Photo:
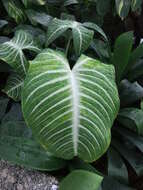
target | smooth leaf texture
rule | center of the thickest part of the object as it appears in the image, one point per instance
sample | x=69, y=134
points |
x=38, y=17
x=12, y=51
x=131, y=154
x=122, y=50
x=116, y=167
x=131, y=118
x=82, y=36
x=13, y=86
x=109, y=182
x=132, y=137
x=3, y=23
x=81, y=180
x=36, y=2
x=17, y=146
x=71, y=112
x=130, y=92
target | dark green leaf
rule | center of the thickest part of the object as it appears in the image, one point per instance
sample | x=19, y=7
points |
x=133, y=156
x=122, y=50
x=38, y=17
x=130, y=92
x=132, y=118
x=116, y=167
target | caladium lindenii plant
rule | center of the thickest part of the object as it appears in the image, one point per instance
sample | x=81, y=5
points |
x=70, y=111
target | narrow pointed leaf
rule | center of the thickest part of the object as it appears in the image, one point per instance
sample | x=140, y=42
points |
x=122, y=50
x=13, y=86
x=71, y=112
x=12, y=51
x=96, y=28
x=81, y=180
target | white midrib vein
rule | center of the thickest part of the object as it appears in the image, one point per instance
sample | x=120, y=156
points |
x=76, y=111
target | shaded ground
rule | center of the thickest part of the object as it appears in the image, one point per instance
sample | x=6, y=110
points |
x=17, y=178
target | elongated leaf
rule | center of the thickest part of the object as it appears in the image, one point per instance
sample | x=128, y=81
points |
x=90, y=181
x=96, y=28
x=82, y=36
x=116, y=167
x=13, y=86
x=37, y=2
x=12, y=51
x=16, y=147
x=133, y=156
x=15, y=10
x=122, y=49
x=70, y=111
x=132, y=137
x=132, y=118
x=123, y=7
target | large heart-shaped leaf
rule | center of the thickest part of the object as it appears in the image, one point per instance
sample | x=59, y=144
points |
x=12, y=51
x=70, y=111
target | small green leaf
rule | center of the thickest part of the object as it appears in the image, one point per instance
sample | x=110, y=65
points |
x=81, y=180
x=15, y=10
x=12, y=51
x=123, y=7
x=14, y=86
x=122, y=50
x=132, y=118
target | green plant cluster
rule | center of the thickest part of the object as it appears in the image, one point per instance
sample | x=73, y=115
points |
x=71, y=93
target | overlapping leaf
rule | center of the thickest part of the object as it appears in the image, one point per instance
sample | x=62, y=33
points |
x=12, y=51
x=70, y=111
